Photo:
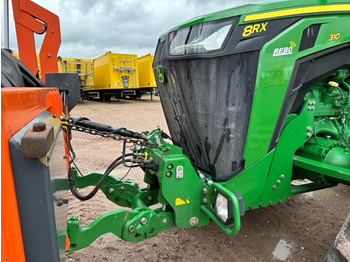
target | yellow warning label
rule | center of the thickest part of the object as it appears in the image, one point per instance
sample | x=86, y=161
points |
x=179, y=201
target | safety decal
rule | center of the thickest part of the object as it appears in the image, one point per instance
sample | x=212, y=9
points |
x=179, y=201
x=284, y=50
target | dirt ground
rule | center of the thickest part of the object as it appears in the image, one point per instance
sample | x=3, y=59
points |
x=300, y=230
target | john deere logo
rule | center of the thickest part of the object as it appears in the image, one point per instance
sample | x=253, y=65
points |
x=160, y=74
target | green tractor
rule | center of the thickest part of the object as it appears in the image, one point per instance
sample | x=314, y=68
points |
x=255, y=97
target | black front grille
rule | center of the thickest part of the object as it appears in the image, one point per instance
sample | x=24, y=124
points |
x=207, y=103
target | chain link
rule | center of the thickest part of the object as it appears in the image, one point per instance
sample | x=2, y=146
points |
x=116, y=137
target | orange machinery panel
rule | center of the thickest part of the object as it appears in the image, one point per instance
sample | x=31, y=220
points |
x=18, y=107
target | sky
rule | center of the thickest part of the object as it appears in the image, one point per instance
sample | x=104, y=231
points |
x=90, y=28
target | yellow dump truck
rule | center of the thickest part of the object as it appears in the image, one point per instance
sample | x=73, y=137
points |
x=115, y=76
x=146, y=75
x=83, y=67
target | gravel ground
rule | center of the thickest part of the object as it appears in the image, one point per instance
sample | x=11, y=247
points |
x=300, y=230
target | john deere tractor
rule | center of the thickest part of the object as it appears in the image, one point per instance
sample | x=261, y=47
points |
x=255, y=97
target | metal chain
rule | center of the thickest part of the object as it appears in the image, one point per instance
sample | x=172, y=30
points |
x=91, y=131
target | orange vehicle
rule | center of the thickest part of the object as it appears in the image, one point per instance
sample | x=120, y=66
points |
x=32, y=140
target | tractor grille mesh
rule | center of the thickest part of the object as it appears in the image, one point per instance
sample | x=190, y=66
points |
x=207, y=105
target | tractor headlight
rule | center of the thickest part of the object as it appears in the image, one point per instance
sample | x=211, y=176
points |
x=223, y=208
x=199, y=38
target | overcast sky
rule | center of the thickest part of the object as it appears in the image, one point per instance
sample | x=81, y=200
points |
x=90, y=28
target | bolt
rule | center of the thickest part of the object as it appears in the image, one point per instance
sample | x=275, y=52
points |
x=282, y=176
x=270, y=203
x=194, y=221
x=205, y=190
x=39, y=127
x=165, y=220
x=143, y=221
x=48, y=55
x=328, y=137
x=131, y=228
x=274, y=187
x=309, y=108
x=111, y=190
x=260, y=205
x=279, y=201
x=122, y=189
x=204, y=200
x=310, y=103
x=52, y=31
x=250, y=207
x=42, y=29
x=168, y=174
x=149, y=198
x=278, y=181
x=309, y=128
x=308, y=134
x=170, y=166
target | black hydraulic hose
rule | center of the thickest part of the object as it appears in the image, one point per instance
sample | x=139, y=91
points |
x=75, y=191
x=124, y=155
x=84, y=122
x=111, y=166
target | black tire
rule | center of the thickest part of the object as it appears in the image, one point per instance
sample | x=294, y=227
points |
x=104, y=97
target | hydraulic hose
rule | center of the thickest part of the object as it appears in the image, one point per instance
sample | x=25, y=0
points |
x=75, y=191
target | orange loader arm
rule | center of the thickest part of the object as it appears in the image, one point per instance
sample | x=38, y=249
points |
x=31, y=18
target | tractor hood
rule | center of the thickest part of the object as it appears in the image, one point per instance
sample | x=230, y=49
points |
x=270, y=9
